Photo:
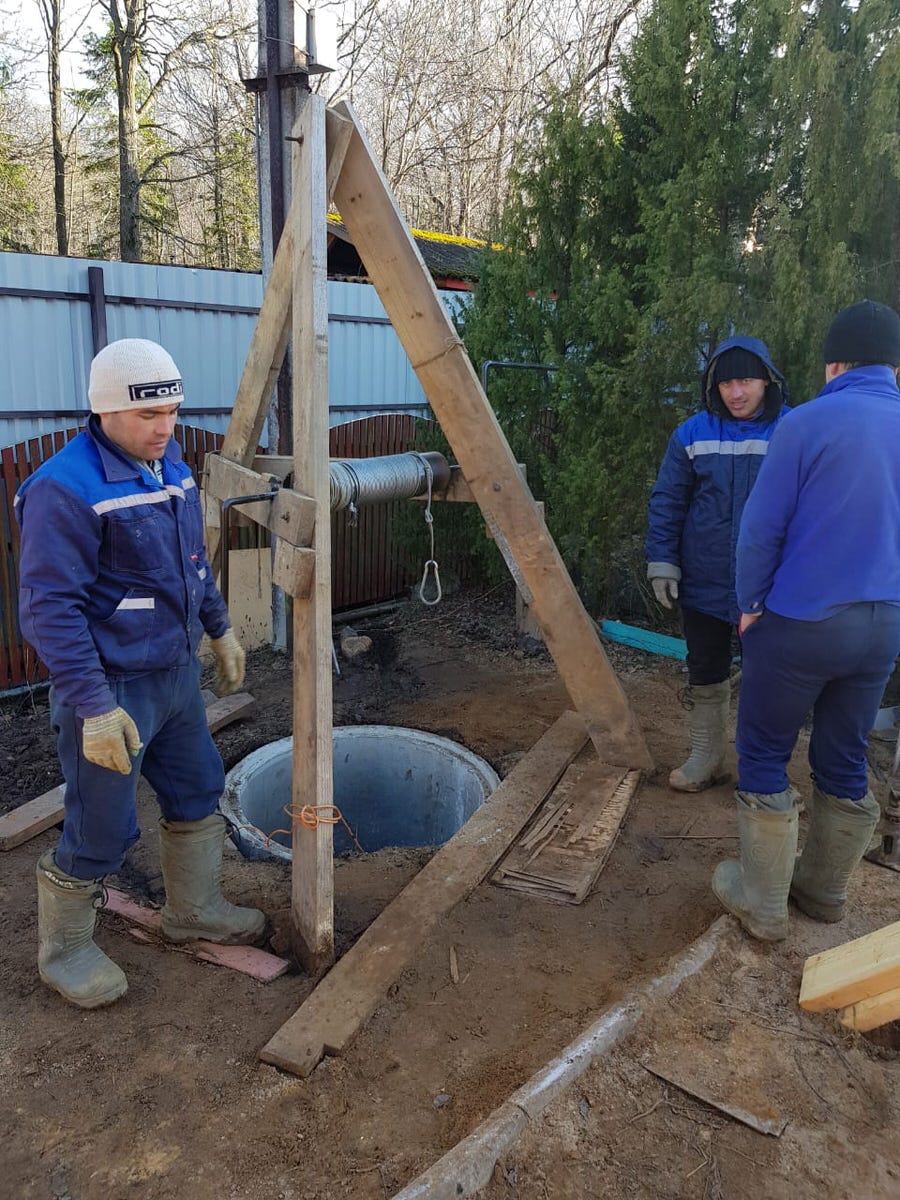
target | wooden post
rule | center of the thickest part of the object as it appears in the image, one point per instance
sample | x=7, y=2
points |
x=439, y=359
x=312, y=891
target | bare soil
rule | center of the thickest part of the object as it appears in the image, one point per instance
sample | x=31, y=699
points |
x=162, y=1097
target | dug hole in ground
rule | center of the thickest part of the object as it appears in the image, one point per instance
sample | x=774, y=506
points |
x=162, y=1097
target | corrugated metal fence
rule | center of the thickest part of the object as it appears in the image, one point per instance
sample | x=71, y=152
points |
x=54, y=312
x=369, y=562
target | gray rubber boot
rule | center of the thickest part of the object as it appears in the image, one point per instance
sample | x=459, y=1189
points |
x=191, y=857
x=707, y=717
x=68, y=959
x=839, y=834
x=755, y=890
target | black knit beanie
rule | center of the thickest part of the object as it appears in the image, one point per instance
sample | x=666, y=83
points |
x=738, y=363
x=866, y=332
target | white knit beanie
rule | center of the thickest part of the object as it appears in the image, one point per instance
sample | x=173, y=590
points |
x=133, y=373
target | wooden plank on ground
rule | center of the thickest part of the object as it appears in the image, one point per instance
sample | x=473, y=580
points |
x=32, y=818
x=345, y=999
x=226, y=709
x=35, y=816
x=560, y=856
x=854, y=971
x=440, y=360
x=312, y=875
x=877, y=1010
x=249, y=960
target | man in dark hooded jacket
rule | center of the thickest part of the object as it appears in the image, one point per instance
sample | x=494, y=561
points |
x=710, y=466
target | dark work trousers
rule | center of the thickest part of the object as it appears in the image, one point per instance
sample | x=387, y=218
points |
x=836, y=668
x=179, y=760
x=708, y=645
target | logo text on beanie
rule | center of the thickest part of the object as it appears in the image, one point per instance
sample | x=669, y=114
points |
x=169, y=390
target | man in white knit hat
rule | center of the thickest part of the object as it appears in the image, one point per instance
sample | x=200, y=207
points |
x=115, y=595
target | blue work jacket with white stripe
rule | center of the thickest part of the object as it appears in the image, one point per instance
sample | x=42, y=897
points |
x=698, y=499
x=113, y=576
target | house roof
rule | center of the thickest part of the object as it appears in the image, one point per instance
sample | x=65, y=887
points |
x=452, y=261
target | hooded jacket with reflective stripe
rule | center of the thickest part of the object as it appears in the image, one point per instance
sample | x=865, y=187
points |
x=113, y=577
x=705, y=479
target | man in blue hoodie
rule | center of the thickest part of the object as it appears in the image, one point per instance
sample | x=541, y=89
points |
x=818, y=582
x=710, y=466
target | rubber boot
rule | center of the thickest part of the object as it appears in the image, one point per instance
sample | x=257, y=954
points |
x=191, y=857
x=755, y=890
x=839, y=834
x=707, y=716
x=68, y=959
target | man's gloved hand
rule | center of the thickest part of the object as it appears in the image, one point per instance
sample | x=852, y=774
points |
x=229, y=663
x=665, y=591
x=664, y=579
x=111, y=740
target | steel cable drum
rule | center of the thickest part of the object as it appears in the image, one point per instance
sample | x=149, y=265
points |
x=357, y=481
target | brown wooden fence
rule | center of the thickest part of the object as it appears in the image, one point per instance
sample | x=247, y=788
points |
x=369, y=564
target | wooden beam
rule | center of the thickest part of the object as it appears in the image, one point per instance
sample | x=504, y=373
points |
x=290, y=516
x=877, y=1010
x=312, y=887
x=854, y=971
x=345, y=999
x=268, y=344
x=294, y=570
x=32, y=818
x=407, y=291
x=338, y=132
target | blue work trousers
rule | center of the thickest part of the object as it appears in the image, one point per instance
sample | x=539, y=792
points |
x=837, y=669
x=179, y=759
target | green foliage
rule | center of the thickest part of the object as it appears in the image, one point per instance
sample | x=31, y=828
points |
x=743, y=178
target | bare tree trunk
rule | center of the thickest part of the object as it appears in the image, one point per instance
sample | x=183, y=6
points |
x=128, y=19
x=51, y=16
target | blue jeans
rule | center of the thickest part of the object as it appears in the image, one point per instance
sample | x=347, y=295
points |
x=836, y=668
x=179, y=760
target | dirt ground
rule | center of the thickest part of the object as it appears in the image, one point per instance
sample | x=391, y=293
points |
x=162, y=1097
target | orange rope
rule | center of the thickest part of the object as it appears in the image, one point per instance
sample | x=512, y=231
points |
x=311, y=815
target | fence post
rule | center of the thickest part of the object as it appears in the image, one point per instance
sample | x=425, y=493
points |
x=97, y=300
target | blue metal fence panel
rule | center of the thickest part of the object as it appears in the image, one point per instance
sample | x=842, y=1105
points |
x=46, y=344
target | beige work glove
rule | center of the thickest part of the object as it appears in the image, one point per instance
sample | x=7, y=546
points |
x=111, y=740
x=664, y=579
x=229, y=663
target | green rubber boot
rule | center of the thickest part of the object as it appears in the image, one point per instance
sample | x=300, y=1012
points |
x=755, y=890
x=707, y=717
x=191, y=856
x=839, y=834
x=68, y=959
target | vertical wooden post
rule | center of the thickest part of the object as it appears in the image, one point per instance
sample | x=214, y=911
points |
x=312, y=891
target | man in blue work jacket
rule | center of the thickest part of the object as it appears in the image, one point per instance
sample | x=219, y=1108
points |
x=115, y=595
x=711, y=464
x=818, y=583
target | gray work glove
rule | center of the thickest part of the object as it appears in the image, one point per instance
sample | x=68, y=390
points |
x=664, y=579
x=111, y=740
x=229, y=663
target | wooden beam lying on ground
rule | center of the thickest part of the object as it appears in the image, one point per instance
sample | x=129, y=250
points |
x=854, y=971
x=33, y=817
x=345, y=999
x=877, y=1010
x=439, y=358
